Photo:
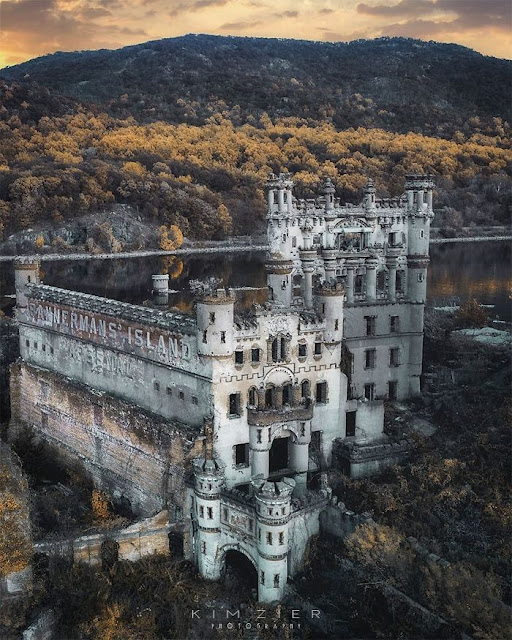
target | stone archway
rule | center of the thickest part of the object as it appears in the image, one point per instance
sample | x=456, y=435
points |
x=239, y=572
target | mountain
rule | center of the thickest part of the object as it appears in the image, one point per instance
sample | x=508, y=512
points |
x=396, y=84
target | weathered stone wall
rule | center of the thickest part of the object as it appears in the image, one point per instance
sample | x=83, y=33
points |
x=338, y=521
x=9, y=352
x=136, y=541
x=129, y=452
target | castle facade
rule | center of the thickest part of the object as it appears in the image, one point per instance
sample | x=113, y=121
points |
x=230, y=421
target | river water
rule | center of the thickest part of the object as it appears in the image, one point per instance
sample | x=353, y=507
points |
x=480, y=270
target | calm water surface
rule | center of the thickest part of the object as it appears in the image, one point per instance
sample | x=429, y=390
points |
x=457, y=272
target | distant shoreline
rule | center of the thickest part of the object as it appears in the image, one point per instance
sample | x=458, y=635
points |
x=52, y=257
x=470, y=239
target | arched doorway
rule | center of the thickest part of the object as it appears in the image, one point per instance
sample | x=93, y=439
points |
x=240, y=575
x=278, y=455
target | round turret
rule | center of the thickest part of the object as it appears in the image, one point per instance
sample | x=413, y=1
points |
x=209, y=479
x=329, y=298
x=369, y=198
x=279, y=280
x=215, y=315
x=279, y=194
x=273, y=509
x=328, y=190
x=26, y=272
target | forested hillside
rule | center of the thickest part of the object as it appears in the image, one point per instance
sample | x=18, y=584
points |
x=393, y=83
x=186, y=130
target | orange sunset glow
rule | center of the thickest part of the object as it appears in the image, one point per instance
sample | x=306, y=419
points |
x=31, y=28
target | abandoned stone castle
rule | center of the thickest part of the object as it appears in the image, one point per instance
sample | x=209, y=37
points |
x=229, y=421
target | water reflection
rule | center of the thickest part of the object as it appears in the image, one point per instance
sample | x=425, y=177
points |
x=480, y=270
x=457, y=272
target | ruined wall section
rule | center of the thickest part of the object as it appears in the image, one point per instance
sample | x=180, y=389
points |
x=145, y=356
x=9, y=351
x=129, y=452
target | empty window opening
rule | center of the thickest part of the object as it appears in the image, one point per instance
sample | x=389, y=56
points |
x=181, y=395
x=278, y=455
x=269, y=537
x=242, y=454
x=370, y=325
x=255, y=355
x=287, y=394
x=205, y=336
x=305, y=389
x=223, y=336
x=275, y=350
x=212, y=317
x=318, y=348
x=350, y=424
x=399, y=287
x=239, y=357
x=369, y=358
x=276, y=581
x=303, y=350
x=369, y=391
x=393, y=390
x=321, y=392
x=394, y=357
x=234, y=404
x=394, y=324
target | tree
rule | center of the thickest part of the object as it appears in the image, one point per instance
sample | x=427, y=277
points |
x=471, y=314
x=171, y=237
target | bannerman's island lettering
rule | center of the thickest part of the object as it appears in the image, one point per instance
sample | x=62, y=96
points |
x=89, y=325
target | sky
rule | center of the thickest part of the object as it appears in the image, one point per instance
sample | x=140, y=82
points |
x=30, y=28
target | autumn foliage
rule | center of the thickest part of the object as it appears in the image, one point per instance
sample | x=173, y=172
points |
x=15, y=539
x=208, y=180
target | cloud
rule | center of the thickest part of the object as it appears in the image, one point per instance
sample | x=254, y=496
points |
x=458, y=14
x=434, y=18
x=240, y=26
x=95, y=12
x=403, y=9
x=286, y=14
x=37, y=27
x=196, y=5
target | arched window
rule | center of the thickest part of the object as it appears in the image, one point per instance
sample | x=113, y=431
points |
x=275, y=350
x=381, y=280
x=287, y=394
x=305, y=389
x=253, y=397
x=269, y=397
